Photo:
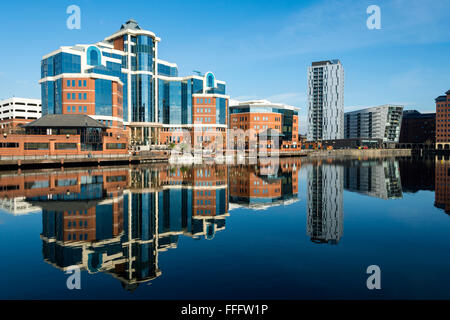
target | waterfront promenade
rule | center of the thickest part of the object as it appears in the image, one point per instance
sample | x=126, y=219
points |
x=40, y=161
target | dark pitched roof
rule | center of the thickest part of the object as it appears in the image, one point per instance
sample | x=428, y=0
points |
x=448, y=92
x=64, y=121
x=441, y=99
x=130, y=24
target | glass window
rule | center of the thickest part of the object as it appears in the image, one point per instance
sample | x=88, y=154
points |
x=73, y=83
x=73, y=108
x=85, y=108
x=103, y=97
x=68, y=83
x=68, y=96
x=84, y=96
x=73, y=96
x=79, y=109
x=84, y=83
x=79, y=83
x=79, y=96
x=68, y=108
x=65, y=146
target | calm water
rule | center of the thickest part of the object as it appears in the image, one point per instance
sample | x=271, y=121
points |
x=305, y=230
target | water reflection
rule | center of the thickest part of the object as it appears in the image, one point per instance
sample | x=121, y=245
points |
x=118, y=220
x=325, y=203
x=442, y=185
x=266, y=185
x=375, y=178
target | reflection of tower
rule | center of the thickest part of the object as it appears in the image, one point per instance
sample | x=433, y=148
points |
x=93, y=223
x=325, y=203
x=379, y=179
x=442, y=184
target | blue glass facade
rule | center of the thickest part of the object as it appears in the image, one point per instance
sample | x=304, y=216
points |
x=221, y=110
x=93, y=56
x=168, y=71
x=174, y=100
x=170, y=102
x=142, y=98
x=103, y=97
x=219, y=90
x=186, y=102
x=60, y=63
x=48, y=97
x=144, y=53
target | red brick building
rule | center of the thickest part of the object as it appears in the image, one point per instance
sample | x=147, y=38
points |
x=442, y=122
x=260, y=116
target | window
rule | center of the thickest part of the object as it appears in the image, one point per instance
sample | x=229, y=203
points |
x=68, y=96
x=9, y=145
x=68, y=83
x=68, y=108
x=79, y=96
x=73, y=83
x=85, y=108
x=35, y=146
x=79, y=83
x=79, y=108
x=65, y=146
x=84, y=83
x=115, y=146
x=73, y=96
x=73, y=108
x=84, y=96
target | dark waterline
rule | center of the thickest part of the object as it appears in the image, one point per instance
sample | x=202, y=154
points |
x=302, y=230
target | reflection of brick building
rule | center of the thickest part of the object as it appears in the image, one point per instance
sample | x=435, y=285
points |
x=266, y=185
x=91, y=221
x=208, y=185
x=442, y=185
x=417, y=174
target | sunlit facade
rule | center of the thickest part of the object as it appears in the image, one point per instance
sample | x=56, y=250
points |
x=325, y=101
x=121, y=81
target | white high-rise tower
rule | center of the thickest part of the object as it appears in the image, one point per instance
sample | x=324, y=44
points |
x=325, y=101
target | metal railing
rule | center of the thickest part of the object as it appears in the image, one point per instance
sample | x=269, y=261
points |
x=64, y=156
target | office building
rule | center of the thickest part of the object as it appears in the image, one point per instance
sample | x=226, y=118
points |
x=418, y=128
x=121, y=80
x=16, y=111
x=442, y=122
x=325, y=101
x=265, y=119
x=382, y=122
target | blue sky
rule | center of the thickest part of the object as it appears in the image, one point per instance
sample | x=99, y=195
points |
x=262, y=49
